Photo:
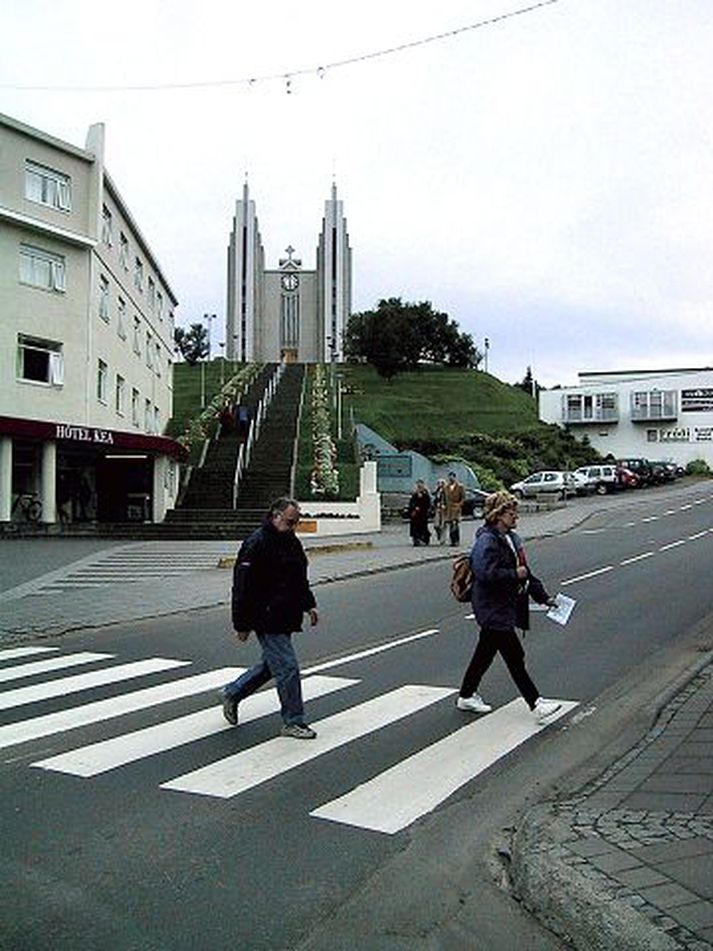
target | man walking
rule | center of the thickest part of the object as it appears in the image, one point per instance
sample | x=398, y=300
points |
x=271, y=593
x=455, y=496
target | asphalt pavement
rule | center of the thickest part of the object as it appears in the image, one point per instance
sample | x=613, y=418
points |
x=622, y=859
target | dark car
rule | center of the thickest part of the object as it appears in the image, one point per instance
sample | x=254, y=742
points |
x=662, y=472
x=473, y=505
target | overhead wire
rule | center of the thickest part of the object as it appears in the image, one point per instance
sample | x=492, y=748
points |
x=287, y=75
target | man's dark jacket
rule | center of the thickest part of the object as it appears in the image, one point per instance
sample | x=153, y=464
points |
x=500, y=599
x=270, y=587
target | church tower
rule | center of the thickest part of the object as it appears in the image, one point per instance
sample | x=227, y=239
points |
x=287, y=314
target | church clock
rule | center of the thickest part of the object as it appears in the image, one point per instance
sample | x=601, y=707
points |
x=290, y=282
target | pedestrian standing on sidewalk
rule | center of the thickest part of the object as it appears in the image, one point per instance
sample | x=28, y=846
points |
x=439, y=511
x=455, y=497
x=271, y=593
x=502, y=586
x=419, y=507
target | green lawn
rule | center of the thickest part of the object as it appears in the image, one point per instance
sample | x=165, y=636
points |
x=187, y=388
x=435, y=404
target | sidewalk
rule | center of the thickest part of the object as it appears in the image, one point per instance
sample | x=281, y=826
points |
x=626, y=863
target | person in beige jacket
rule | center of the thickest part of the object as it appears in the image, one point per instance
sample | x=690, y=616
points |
x=455, y=496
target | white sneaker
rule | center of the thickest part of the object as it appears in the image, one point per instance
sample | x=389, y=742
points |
x=544, y=709
x=474, y=704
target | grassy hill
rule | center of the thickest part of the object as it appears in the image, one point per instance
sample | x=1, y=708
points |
x=435, y=404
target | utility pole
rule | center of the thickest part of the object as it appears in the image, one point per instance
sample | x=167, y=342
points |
x=487, y=347
x=207, y=319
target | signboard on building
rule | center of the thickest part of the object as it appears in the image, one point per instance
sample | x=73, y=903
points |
x=698, y=400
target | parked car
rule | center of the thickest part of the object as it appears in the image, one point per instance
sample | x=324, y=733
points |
x=662, y=472
x=628, y=479
x=473, y=505
x=549, y=481
x=640, y=467
x=599, y=478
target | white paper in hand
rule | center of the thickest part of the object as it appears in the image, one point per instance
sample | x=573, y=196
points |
x=561, y=611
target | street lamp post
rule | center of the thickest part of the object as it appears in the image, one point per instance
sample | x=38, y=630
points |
x=208, y=319
x=487, y=347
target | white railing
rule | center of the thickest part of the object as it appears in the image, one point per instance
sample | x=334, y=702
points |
x=246, y=448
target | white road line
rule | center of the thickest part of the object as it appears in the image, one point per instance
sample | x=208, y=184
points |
x=681, y=541
x=67, y=685
x=369, y=652
x=650, y=518
x=234, y=774
x=121, y=750
x=692, y=538
x=684, y=508
x=590, y=574
x=400, y=795
x=54, y=663
x=12, y=653
x=635, y=558
x=99, y=710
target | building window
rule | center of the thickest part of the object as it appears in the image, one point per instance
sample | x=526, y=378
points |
x=591, y=408
x=157, y=360
x=159, y=305
x=124, y=251
x=157, y=421
x=121, y=317
x=102, y=379
x=149, y=349
x=651, y=405
x=148, y=416
x=134, y=406
x=120, y=395
x=107, y=227
x=137, y=336
x=42, y=269
x=40, y=361
x=48, y=187
x=104, y=298
x=139, y=274
x=152, y=293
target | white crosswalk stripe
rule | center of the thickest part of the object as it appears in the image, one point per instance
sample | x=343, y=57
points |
x=13, y=653
x=109, y=754
x=386, y=803
x=21, y=671
x=60, y=688
x=63, y=720
x=414, y=787
x=235, y=774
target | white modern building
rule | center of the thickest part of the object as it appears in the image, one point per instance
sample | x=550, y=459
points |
x=288, y=313
x=651, y=414
x=86, y=340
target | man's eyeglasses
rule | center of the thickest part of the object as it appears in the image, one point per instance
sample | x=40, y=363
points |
x=294, y=520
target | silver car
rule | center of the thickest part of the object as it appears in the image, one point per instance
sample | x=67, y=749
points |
x=558, y=483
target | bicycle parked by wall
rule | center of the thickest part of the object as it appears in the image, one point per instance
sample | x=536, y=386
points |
x=28, y=505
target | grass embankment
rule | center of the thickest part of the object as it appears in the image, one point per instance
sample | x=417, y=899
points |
x=188, y=387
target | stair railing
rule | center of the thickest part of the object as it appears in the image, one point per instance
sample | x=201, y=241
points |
x=245, y=450
x=296, y=443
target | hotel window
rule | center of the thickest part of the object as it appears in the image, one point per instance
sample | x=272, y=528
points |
x=134, y=406
x=148, y=416
x=124, y=251
x=104, y=298
x=48, y=187
x=139, y=274
x=149, y=348
x=40, y=361
x=157, y=360
x=137, y=336
x=121, y=317
x=42, y=269
x=152, y=293
x=102, y=378
x=159, y=305
x=120, y=395
x=157, y=421
x=107, y=227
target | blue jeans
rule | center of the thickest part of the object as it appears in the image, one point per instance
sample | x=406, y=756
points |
x=279, y=661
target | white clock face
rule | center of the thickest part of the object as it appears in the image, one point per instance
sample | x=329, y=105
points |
x=290, y=282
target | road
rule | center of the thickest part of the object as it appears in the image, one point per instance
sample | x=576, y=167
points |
x=133, y=817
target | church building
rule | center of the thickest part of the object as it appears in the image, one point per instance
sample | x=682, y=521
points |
x=287, y=314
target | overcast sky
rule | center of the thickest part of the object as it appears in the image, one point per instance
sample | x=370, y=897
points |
x=546, y=180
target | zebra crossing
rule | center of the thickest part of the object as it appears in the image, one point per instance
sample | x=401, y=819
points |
x=387, y=802
x=127, y=564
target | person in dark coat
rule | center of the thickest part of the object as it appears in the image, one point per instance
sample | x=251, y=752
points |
x=418, y=508
x=271, y=593
x=502, y=586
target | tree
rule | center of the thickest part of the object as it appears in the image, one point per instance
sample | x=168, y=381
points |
x=192, y=343
x=529, y=384
x=399, y=336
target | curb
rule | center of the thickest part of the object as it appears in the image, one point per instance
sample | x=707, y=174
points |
x=228, y=561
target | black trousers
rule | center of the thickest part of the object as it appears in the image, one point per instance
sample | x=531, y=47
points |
x=507, y=643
